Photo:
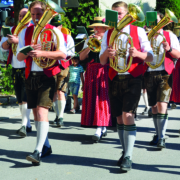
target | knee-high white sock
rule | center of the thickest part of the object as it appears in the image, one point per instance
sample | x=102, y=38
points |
x=155, y=122
x=36, y=124
x=61, y=106
x=98, y=131
x=42, y=131
x=20, y=108
x=145, y=99
x=162, y=120
x=55, y=106
x=25, y=114
x=129, y=139
x=47, y=142
x=29, y=123
x=103, y=129
x=120, y=130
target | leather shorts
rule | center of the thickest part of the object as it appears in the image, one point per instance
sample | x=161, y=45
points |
x=18, y=76
x=62, y=80
x=40, y=90
x=124, y=94
x=158, y=85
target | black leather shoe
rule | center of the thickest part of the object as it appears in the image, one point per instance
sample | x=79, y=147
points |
x=22, y=131
x=46, y=151
x=161, y=143
x=120, y=159
x=126, y=164
x=55, y=121
x=29, y=129
x=145, y=111
x=104, y=133
x=60, y=122
x=154, y=141
x=96, y=137
x=34, y=158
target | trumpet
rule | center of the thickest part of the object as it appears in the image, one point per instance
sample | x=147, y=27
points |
x=93, y=43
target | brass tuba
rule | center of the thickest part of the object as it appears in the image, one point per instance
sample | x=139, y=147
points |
x=169, y=17
x=135, y=14
x=46, y=45
x=22, y=24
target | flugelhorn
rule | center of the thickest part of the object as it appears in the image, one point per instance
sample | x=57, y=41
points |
x=46, y=45
x=135, y=14
x=169, y=17
x=22, y=24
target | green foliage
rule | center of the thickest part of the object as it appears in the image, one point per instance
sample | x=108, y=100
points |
x=172, y=5
x=6, y=81
x=81, y=16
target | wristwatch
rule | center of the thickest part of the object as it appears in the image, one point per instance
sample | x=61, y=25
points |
x=170, y=49
x=8, y=42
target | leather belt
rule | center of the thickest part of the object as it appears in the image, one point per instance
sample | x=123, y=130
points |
x=38, y=73
x=163, y=72
x=124, y=76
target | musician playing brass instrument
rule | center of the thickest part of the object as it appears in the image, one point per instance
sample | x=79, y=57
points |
x=95, y=105
x=41, y=68
x=158, y=81
x=125, y=79
x=18, y=70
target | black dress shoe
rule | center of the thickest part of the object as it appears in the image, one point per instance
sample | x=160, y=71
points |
x=161, y=143
x=96, y=137
x=22, y=131
x=55, y=121
x=59, y=122
x=29, y=129
x=154, y=141
x=46, y=151
x=120, y=159
x=34, y=158
x=126, y=164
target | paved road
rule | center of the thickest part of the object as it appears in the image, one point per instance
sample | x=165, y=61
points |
x=76, y=157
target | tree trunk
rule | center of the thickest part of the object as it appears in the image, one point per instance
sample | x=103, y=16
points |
x=18, y=5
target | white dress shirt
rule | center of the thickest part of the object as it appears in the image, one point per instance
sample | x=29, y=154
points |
x=144, y=43
x=62, y=45
x=174, y=44
x=69, y=45
x=15, y=63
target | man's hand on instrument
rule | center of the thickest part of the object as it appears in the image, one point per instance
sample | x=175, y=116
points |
x=36, y=46
x=13, y=39
x=166, y=46
x=36, y=53
x=133, y=52
x=110, y=52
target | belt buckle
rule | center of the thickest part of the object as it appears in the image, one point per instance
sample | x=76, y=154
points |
x=34, y=74
x=121, y=76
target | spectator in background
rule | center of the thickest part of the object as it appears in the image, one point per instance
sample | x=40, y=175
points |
x=9, y=21
x=76, y=73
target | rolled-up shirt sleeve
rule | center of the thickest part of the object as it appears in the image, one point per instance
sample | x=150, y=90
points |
x=62, y=44
x=144, y=42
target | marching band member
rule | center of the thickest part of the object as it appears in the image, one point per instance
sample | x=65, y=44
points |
x=96, y=106
x=125, y=88
x=158, y=83
x=59, y=100
x=40, y=83
x=18, y=73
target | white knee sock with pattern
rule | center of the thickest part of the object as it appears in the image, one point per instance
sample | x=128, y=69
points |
x=61, y=107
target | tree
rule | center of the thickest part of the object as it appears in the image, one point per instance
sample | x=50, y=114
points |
x=18, y=5
x=172, y=5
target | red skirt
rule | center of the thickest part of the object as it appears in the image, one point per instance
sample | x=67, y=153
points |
x=175, y=94
x=96, y=105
